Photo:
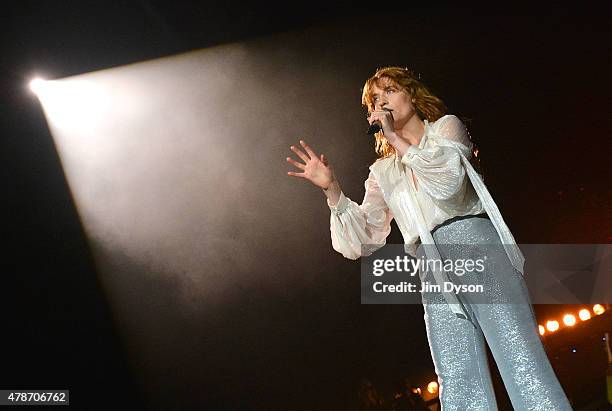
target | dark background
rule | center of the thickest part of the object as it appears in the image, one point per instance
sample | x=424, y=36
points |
x=542, y=73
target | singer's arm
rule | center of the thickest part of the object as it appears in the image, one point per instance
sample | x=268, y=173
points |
x=401, y=145
x=384, y=118
x=332, y=192
x=360, y=229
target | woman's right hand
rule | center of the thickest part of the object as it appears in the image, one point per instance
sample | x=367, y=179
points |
x=316, y=168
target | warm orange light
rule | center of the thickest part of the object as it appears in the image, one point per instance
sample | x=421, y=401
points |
x=416, y=390
x=569, y=320
x=552, y=325
x=432, y=387
x=598, y=309
x=584, y=314
x=542, y=329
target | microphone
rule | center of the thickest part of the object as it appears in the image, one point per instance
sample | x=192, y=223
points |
x=376, y=127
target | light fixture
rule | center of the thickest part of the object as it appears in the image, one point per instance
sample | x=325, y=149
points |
x=552, y=325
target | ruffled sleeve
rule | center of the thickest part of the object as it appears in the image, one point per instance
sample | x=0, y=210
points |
x=353, y=226
x=438, y=167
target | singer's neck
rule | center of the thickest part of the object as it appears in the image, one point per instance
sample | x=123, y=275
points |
x=412, y=131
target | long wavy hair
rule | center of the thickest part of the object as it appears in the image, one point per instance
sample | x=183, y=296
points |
x=426, y=104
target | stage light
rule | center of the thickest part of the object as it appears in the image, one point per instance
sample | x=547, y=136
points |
x=569, y=320
x=432, y=387
x=36, y=85
x=584, y=314
x=552, y=325
x=542, y=329
x=598, y=309
x=73, y=105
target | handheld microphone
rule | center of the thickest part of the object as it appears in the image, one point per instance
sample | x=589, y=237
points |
x=376, y=127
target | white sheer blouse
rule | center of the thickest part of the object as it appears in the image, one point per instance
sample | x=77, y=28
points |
x=446, y=186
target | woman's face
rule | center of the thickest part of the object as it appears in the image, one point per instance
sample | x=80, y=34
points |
x=389, y=95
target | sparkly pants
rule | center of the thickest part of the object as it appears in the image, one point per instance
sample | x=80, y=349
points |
x=503, y=318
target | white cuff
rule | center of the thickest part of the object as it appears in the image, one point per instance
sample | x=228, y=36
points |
x=340, y=207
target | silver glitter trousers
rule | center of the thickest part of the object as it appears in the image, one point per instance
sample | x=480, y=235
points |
x=502, y=317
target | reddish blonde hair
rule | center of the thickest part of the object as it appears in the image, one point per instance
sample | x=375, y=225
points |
x=426, y=104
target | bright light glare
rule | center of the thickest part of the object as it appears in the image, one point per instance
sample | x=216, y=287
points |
x=552, y=326
x=73, y=105
x=598, y=309
x=584, y=314
x=569, y=320
x=542, y=329
x=36, y=85
x=432, y=387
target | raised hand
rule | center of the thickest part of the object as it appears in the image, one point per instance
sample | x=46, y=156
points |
x=384, y=117
x=315, y=169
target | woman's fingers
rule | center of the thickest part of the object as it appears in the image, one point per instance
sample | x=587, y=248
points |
x=310, y=152
x=378, y=114
x=295, y=163
x=300, y=153
x=291, y=173
x=383, y=118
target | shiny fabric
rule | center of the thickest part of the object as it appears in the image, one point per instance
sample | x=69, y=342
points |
x=446, y=186
x=457, y=326
x=504, y=319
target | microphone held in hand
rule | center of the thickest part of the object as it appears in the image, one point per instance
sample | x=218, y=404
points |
x=376, y=127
